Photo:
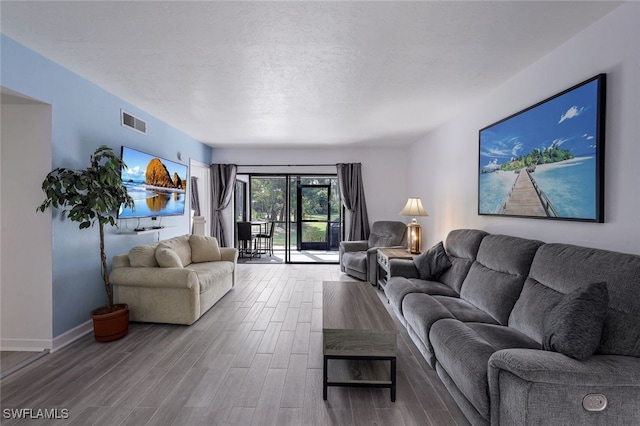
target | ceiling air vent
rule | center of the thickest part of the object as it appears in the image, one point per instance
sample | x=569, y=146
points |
x=133, y=122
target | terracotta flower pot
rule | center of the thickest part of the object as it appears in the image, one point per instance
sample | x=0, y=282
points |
x=109, y=326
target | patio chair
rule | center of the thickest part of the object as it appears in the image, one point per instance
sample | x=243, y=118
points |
x=265, y=240
x=246, y=239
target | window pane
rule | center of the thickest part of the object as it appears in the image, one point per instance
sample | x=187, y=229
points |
x=268, y=199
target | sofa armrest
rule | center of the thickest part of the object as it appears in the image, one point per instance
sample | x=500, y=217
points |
x=349, y=246
x=155, y=277
x=541, y=387
x=229, y=254
x=121, y=261
x=346, y=246
x=403, y=268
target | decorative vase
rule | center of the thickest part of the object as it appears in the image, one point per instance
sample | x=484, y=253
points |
x=112, y=325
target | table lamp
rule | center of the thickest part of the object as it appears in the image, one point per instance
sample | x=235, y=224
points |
x=414, y=230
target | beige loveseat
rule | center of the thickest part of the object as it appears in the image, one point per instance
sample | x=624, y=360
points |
x=173, y=281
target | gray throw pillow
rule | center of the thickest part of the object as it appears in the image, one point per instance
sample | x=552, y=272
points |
x=574, y=326
x=432, y=263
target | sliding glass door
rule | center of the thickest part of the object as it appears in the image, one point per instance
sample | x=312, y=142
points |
x=312, y=216
x=306, y=212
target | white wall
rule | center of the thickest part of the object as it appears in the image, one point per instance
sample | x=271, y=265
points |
x=201, y=172
x=383, y=172
x=444, y=164
x=25, y=283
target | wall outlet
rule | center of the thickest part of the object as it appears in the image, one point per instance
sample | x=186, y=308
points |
x=594, y=402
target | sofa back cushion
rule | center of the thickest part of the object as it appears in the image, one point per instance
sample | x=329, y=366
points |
x=558, y=269
x=204, y=249
x=167, y=257
x=143, y=256
x=462, y=247
x=181, y=246
x=495, y=279
x=388, y=234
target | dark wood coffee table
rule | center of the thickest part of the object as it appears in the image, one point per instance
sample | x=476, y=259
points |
x=356, y=327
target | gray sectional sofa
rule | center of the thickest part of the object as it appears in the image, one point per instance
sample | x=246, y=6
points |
x=523, y=332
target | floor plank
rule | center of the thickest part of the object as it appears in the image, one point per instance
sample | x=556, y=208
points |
x=254, y=358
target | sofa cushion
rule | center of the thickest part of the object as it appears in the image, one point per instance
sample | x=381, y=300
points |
x=398, y=287
x=533, y=306
x=462, y=248
x=464, y=311
x=211, y=273
x=564, y=267
x=432, y=263
x=181, y=246
x=143, y=256
x=167, y=257
x=574, y=325
x=463, y=351
x=421, y=311
x=495, y=279
x=204, y=249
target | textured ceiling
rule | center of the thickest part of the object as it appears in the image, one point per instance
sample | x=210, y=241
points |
x=292, y=74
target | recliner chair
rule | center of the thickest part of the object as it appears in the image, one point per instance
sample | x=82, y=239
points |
x=358, y=258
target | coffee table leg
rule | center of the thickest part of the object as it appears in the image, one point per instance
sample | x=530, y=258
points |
x=324, y=379
x=393, y=379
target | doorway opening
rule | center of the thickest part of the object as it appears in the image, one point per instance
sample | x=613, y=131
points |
x=305, y=212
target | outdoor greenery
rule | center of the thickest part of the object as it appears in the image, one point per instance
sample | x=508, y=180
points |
x=552, y=154
x=268, y=203
x=268, y=199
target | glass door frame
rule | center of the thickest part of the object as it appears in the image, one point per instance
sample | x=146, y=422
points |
x=300, y=221
x=288, y=212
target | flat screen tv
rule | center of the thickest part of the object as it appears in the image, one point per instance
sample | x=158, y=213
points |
x=157, y=186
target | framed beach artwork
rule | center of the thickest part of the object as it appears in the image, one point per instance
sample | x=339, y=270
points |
x=547, y=161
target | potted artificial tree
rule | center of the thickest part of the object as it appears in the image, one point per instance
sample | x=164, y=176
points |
x=89, y=196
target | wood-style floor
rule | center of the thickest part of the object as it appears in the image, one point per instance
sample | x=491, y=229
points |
x=254, y=359
x=10, y=360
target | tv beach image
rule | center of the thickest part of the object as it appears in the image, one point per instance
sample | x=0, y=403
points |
x=543, y=161
x=156, y=185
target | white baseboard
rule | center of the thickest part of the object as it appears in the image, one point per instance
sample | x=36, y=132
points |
x=72, y=335
x=39, y=345
x=42, y=347
x=25, y=345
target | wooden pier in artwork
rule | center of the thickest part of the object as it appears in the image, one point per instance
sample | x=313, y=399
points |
x=527, y=199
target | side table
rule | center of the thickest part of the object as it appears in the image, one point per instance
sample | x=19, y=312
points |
x=384, y=255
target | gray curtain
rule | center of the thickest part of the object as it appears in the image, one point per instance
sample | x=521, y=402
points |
x=223, y=182
x=195, y=198
x=352, y=195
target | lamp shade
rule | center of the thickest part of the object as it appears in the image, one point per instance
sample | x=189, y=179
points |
x=414, y=208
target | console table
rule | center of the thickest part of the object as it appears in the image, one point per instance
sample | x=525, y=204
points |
x=384, y=255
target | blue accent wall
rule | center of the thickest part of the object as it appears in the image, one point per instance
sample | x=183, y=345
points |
x=85, y=116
